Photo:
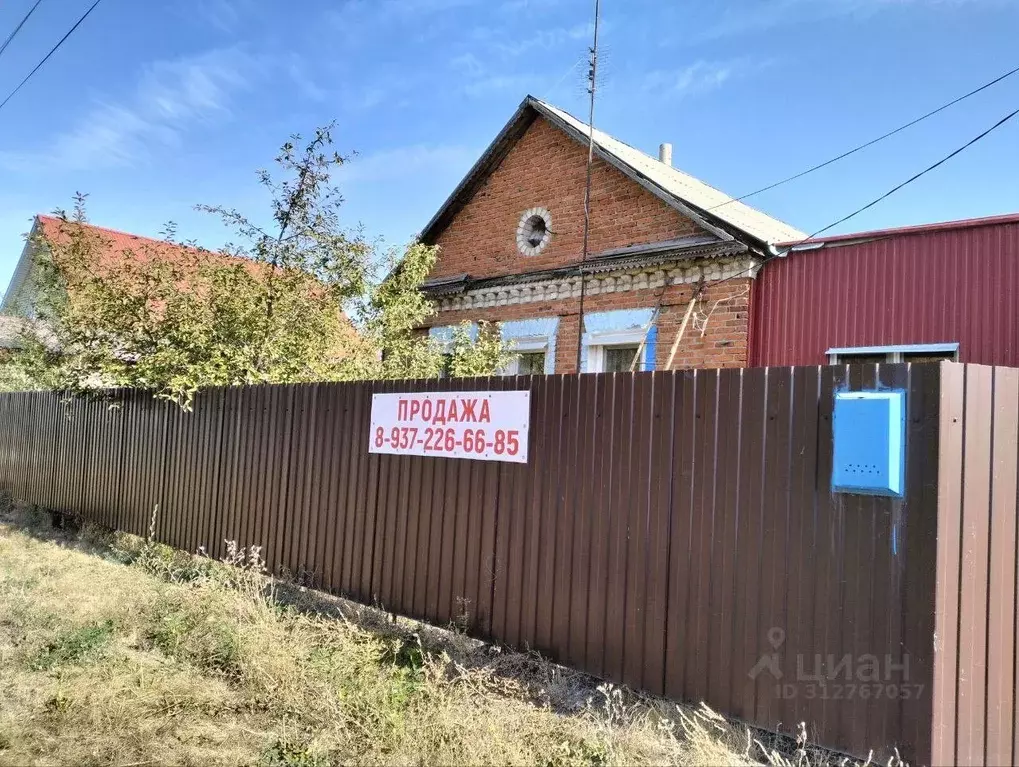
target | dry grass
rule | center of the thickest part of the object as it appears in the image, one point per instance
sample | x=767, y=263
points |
x=113, y=651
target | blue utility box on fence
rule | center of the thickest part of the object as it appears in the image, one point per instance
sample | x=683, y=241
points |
x=870, y=443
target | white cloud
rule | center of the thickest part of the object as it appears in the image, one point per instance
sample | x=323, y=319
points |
x=699, y=77
x=297, y=69
x=546, y=39
x=475, y=78
x=468, y=64
x=401, y=162
x=171, y=97
x=224, y=15
x=497, y=83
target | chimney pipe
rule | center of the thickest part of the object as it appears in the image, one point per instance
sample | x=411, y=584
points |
x=665, y=154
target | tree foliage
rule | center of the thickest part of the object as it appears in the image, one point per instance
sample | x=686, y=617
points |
x=297, y=299
x=480, y=355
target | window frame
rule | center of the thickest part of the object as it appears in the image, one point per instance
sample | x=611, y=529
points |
x=598, y=341
x=525, y=345
x=534, y=334
x=843, y=355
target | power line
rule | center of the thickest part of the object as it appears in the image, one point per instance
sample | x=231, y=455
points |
x=924, y=172
x=870, y=143
x=17, y=29
x=875, y=201
x=47, y=56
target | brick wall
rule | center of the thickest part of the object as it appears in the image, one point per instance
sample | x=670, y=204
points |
x=723, y=343
x=547, y=169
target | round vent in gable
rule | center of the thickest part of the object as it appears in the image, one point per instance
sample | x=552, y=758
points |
x=534, y=231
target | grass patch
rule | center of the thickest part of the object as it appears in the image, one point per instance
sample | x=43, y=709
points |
x=78, y=645
x=113, y=650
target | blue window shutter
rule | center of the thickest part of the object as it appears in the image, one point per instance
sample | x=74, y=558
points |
x=650, y=346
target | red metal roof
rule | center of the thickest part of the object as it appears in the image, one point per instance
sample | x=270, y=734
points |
x=941, y=283
x=962, y=223
x=118, y=244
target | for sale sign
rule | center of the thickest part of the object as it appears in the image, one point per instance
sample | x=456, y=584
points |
x=479, y=425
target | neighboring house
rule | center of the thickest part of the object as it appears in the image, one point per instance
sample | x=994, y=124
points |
x=919, y=293
x=13, y=330
x=20, y=302
x=20, y=298
x=511, y=246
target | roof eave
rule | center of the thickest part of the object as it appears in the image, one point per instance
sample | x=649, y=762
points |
x=490, y=158
x=854, y=238
x=715, y=227
x=531, y=108
x=649, y=257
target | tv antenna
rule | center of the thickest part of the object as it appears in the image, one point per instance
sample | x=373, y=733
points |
x=592, y=80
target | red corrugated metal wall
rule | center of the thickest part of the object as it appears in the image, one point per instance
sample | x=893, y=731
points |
x=955, y=285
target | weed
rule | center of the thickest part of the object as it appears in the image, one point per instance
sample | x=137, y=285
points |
x=59, y=703
x=197, y=631
x=209, y=667
x=287, y=752
x=37, y=517
x=171, y=564
x=78, y=645
x=405, y=653
x=578, y=753
x=97, y=536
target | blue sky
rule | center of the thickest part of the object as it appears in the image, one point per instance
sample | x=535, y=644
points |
x=153, y=106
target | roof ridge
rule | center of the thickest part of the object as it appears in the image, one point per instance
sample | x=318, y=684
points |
x=677, y=173
x=111, y=230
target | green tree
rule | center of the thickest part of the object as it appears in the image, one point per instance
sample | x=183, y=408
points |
x=296, y=300
x=482, y=355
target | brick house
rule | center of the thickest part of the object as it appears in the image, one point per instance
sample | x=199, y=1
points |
x=511, y=246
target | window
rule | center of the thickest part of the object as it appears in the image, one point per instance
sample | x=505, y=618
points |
x=531, y=364
x=612, y=339
x=620, y=359
x=858, y=355
x=532, y=344
x=534, y=231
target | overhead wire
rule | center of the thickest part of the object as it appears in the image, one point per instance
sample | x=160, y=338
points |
x=12, y=35
x=48, y=55
x=875, y=201
x=870, y=143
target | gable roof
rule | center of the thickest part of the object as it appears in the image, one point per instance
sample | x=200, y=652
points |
x=714, y=210
x=119, y=245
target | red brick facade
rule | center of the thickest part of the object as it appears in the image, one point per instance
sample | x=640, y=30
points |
x=547, y=168
x=723, y=343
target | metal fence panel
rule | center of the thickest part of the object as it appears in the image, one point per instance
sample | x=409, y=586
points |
x=671, y=531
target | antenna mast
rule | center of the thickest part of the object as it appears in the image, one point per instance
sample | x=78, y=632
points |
x=592, y=78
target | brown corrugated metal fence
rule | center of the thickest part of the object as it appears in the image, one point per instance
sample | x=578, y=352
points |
x=672, y=531
x=977, y=625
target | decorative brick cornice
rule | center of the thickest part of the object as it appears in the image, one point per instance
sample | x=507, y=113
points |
x=620, y=281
